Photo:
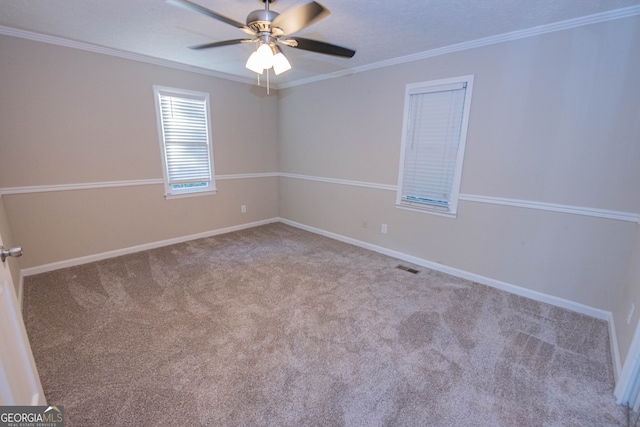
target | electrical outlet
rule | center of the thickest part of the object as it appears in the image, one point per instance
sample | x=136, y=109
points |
x=384, y=228
x=364, y=223
x=243, y=208
x=633, y=307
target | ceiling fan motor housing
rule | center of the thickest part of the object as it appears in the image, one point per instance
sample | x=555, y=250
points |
x=260, y=20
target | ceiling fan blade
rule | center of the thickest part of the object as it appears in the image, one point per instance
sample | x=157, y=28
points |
x=186, y=4
x=293, y=20
x=320, y=47
x=222, y=43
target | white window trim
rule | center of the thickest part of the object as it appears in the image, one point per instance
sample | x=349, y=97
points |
x=169, y=192
x=428, y=86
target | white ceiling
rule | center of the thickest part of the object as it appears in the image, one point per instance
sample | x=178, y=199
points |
x=379, y=30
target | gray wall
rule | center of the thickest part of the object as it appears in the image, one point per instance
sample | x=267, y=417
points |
x=7, y=241
x=71, y=117
x=554, y=119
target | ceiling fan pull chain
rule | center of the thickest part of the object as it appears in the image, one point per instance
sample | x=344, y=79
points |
x=267, y=78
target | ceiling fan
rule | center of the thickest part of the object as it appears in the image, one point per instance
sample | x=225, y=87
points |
x=268, y=29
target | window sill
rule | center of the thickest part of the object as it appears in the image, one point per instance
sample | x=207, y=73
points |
x=192, y=194
x=427, y=210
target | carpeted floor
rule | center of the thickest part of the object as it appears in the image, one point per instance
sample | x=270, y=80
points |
x=275, y=326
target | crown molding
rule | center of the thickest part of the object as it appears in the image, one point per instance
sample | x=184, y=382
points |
x=59, y=41
x=486, y=41
x=500, y=38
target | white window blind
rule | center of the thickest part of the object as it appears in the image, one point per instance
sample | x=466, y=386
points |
x=436, y=115
x=184, y=128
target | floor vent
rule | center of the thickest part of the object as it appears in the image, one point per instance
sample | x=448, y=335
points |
x=410, y=270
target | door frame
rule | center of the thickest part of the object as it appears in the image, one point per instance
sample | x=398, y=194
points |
x=627, y=389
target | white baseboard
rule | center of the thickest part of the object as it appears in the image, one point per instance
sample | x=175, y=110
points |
x=516, y=290
x=125, y=251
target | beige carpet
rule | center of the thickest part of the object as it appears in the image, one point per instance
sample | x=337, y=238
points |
x=275, y=326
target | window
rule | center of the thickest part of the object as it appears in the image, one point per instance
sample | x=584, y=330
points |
x=183, y=125
x=436, y=115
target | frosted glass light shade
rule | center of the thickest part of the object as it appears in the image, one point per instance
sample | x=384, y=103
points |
x=280, y=63
x=265, y=56
x=253, y=63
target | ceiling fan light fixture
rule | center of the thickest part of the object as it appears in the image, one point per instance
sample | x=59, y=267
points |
x=254, y=64
x=280, y=62
x=267, y=27
x=265, y=56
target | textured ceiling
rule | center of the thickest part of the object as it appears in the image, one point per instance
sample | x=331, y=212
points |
x=378, y=30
